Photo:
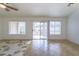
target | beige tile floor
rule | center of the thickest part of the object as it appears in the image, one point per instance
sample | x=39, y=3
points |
x=38, y=48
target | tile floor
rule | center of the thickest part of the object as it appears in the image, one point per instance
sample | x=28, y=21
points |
x=38, y=48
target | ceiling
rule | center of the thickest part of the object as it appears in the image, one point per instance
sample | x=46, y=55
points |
x=40, y=9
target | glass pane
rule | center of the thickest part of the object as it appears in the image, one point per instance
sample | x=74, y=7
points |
x=58, y=29
x=57, y=23
x=12, y=27
x=57, y=33
x=55, y=27
x=21, y=27
x=52, y=24
x=43, y=30
x=36, y=30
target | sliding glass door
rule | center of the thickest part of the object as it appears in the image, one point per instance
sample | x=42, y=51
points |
x=40, y=30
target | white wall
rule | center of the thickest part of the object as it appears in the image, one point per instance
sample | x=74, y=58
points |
x=0, y=28
x=29, y=21
x=73, y=28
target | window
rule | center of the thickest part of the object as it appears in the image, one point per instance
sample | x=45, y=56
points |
x=55, y=27
x=17, y=27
